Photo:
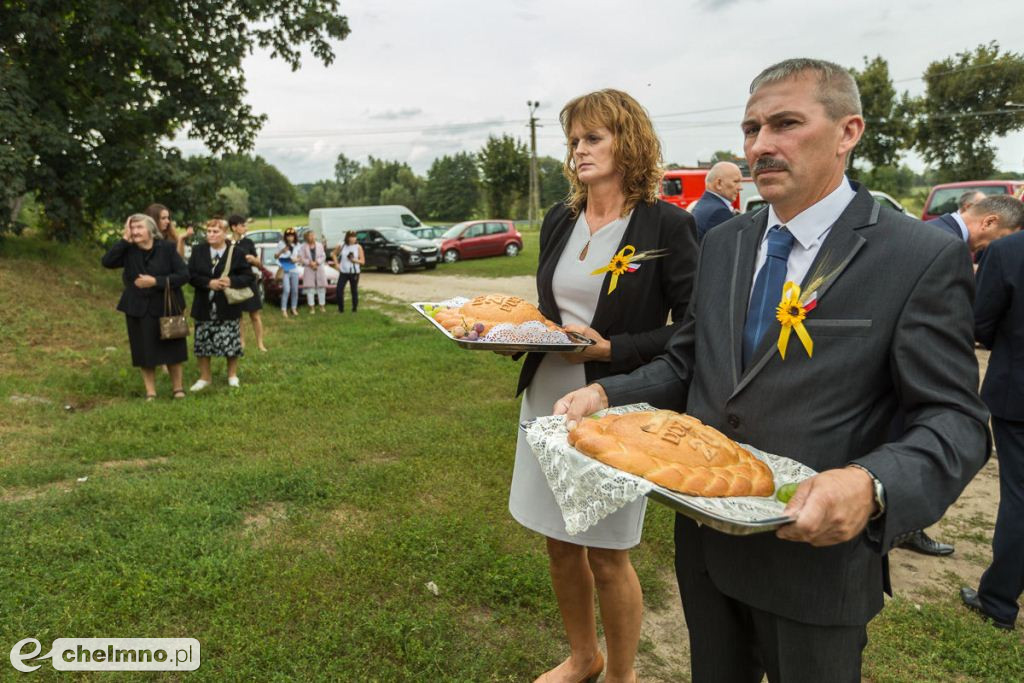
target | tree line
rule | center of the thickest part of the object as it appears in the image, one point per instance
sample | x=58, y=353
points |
x=86, y=116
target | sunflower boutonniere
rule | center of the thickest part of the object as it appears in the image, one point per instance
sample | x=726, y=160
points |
x=627, y=261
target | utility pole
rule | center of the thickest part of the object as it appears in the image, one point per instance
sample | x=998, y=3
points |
x=534, y=210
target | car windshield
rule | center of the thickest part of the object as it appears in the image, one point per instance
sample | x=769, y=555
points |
x=397, y=234
x=671, y=187
x=454, y=231
x=945, y=199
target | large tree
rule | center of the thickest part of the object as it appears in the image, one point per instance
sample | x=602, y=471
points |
x=505, y=167
x=888, y=131
x=382, y=182
x=268, y=189
x=964, y=107
x=553, y=185
x=103, y=83
x=452, y=190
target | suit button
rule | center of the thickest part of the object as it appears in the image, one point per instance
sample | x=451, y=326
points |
x=733, y=421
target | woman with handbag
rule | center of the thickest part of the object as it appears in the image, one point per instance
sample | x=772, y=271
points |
x=153, y=274
x=312, y=257
x=254, y=304
x=349, y=257
x=287, y=253
x=222, y=280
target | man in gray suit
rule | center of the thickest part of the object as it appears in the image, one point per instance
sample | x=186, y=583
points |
x=891, y=328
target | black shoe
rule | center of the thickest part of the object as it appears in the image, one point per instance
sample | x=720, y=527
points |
x=920, y=542
x=970, y=598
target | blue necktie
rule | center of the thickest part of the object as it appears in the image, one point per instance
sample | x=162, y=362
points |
x=767, y=290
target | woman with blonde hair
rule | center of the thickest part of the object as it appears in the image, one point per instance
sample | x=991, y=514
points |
x=613, y=164
x=312, y=256
x=150, y=266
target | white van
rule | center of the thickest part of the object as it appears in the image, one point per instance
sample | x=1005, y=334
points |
x=334, y=223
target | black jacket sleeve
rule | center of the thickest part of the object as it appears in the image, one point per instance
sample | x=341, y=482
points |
x=114, y=258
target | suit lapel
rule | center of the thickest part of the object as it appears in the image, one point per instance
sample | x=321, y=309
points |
x=747, y=240
x=548, y=263
x=832, y=259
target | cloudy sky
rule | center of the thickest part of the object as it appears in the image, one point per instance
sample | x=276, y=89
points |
x=416, y=80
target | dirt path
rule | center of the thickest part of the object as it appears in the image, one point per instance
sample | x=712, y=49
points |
x=421, y=287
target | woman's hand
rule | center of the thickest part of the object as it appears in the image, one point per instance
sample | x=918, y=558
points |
x=220, y=284
x=601, y=350
x=126, y=234
x=145, y=281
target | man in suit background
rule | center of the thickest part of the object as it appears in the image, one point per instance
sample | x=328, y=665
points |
x=981, y=220
x=891, y=331
x=999, y=326
x=722, y=186
x=953, y=222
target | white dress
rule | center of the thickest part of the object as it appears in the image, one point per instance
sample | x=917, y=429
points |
x=576, y=292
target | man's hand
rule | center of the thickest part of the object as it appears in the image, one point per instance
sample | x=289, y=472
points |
x=145, y=281
x=830, y=508
x=580, y=403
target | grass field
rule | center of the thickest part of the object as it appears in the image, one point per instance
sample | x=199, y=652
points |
x=292, y=525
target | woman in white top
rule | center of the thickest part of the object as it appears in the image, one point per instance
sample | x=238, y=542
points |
x=350, y=257
x=613, y=165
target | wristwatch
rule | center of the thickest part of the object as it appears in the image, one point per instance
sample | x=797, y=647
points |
x=879, y=491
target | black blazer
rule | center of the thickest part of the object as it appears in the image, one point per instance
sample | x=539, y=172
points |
x=632, y=317
x=201, y=271
x=999, y=325
x=248, y=248
x=162, y=262
x=709, y=212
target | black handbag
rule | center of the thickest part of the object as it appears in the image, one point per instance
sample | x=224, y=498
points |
x=173, y=323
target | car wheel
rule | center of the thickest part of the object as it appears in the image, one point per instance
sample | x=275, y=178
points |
x=512, y=249
x=395, y=265
x=451, y=256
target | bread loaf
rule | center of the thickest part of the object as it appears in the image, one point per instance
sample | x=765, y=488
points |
x=676, y=451
x=491, y=310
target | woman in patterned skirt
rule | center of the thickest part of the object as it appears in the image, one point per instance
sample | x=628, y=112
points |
x=218, y=331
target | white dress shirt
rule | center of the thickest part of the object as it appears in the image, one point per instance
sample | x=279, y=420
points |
x=810, y=227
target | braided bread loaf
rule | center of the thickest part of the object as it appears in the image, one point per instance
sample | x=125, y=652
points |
x=491, y=309
x=676, y=451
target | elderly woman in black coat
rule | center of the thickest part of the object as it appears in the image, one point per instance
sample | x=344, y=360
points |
x=213, y=268
x=149, y=266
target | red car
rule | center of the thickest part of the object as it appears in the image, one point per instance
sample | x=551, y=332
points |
x=943, y=198
x=474, y=239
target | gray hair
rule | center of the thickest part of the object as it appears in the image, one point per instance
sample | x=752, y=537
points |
x=1009, y=209
x=837, y=89
x=966, y=200
x=148, y=222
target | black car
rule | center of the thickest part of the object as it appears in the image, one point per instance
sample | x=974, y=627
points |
x=396, y=249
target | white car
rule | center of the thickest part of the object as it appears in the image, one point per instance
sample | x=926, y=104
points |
x=755, y=202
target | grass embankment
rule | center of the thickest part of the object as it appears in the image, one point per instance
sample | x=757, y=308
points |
x=291, y=525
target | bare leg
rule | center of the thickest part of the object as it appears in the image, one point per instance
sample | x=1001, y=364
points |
x=149, y=380
x=204, y=368
x=574, y=588
x=621, y=600
x=175, y=373
x=257, y=328
x=232, y=366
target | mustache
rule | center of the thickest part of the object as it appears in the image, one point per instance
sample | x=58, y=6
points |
x=769, y=164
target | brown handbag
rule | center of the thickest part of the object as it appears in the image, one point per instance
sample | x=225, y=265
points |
x=173, y=323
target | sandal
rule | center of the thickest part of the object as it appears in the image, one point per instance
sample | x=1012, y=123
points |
x=179, y=393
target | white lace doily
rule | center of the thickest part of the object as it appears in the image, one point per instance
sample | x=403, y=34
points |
x=587, y=490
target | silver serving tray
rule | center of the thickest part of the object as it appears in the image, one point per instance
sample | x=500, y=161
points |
x=760, y=514
x=580, y=342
